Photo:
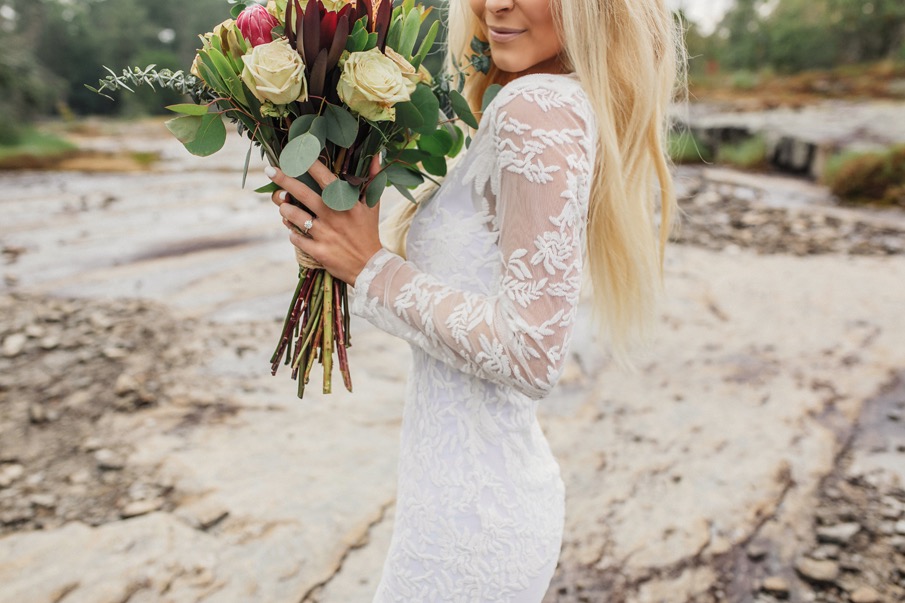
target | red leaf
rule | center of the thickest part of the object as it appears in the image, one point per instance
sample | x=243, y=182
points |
x=382, y=24
x=312, y=37
x=340, y=36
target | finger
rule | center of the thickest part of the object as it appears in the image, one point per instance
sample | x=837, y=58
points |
x=307, y=245
x=294, y=215
x=279, y=197
x=321, y=174
x=375, y=165
x=298, y=190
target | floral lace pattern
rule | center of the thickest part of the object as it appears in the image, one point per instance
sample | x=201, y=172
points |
x=487, y=301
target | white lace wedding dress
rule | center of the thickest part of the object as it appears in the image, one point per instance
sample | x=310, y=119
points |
x=487, y=300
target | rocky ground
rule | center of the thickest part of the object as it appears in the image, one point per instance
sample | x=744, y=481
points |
x=146, y=454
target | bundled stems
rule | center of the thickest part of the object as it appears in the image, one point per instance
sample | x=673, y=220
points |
x=316, y=324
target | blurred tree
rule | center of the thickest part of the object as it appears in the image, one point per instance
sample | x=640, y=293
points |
x=27, y=87
x=742, y=32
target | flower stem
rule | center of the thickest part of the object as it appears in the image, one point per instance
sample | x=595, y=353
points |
x=327, y=349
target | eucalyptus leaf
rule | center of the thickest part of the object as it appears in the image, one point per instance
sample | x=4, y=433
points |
x=300, y=154
x=438, y=143
x=489, y=95
x=375, y=189
x=399, y=175
x=270, y=187
x=339, y=195
x=188, y=109
x=210, y=138
x=184, y=128
x=462, y=108
x=435, y=166
x=234, y=11
x=405, y=192
x=301, y=125
x=342, y=126
x=428, y=106
x=408, y=116
x=458, y=141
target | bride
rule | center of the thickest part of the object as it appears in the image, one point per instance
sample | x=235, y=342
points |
x=483, y=278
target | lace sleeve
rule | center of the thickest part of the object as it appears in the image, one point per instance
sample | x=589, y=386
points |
x=519, y=335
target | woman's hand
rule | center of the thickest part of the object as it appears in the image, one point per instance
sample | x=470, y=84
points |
x=342, y=241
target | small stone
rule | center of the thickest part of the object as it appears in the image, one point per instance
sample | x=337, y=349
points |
x=35, y=331
x=898, y=543
x=865, y=594
x=125, y=384
x=80, y=477
x=141, y=507
x=37, y=413
x=77, y=400
x=10, y=473
x=14, y=344
x=841, y=533
x=115, y=353
x=92, y=444
x=776, y=585
x=108, y=460
x=900, y=527
x=825, y=551
x=756, y=551
x=50, y=342
x=47, y=501
x=203, y=513
x=817, y=570
x=100, y=321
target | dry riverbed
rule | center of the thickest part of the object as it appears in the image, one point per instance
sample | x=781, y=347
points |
x=146, y=454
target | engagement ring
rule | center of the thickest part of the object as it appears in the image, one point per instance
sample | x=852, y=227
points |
x=307, y=226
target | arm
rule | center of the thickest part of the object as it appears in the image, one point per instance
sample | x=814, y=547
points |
x=519, y=336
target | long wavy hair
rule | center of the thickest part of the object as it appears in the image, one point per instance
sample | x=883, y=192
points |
x=630, y=60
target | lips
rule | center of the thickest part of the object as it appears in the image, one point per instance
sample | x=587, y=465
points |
x=503, y=34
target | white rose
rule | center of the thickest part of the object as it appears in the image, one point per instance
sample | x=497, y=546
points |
x=371, y=84
x=275, y=72
x=405, y=67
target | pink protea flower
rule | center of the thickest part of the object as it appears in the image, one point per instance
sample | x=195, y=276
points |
x=256, y=25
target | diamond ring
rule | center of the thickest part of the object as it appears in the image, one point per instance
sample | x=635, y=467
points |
x=307, y=226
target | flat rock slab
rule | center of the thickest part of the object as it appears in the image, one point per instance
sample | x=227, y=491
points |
x=761, y=362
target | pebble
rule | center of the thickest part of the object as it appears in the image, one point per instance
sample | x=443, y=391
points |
x=108, y=460
x=817, y=570
x=865, y=594
x=35, y=331
x=840, y=533
x=900, y=527
x=80, y=476
x=91, y=444
x=825, y=551
x=10, y=473
x=14, y=344
x=141, y=507
x=125, y=384
x=776, y=585
x=47, y=501
x=51, y=342
x=757, y=551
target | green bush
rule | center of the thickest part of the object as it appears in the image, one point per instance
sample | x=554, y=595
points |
x=873, y=178
x=744, y=80
x=748, y=154
x=685, y=147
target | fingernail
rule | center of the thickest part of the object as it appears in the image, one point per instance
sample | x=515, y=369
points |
x=281, y=196
x=270, y=171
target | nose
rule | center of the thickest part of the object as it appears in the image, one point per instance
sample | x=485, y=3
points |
x=498, y=6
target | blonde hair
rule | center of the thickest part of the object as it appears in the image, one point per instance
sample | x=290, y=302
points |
x=629, y=58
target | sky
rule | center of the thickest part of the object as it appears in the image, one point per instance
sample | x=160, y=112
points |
x=704, y=12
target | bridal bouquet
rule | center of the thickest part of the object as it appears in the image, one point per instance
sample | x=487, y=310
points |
x=335, y=80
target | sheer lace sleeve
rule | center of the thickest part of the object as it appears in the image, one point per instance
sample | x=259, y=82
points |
x=517, y=336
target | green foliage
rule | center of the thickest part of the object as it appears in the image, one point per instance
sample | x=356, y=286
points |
x=34, y=143
x=685, y=147
x=748, y=154
x=875, y=178
x=795, y=35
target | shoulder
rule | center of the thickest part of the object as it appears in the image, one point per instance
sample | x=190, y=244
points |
x=542, y=98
